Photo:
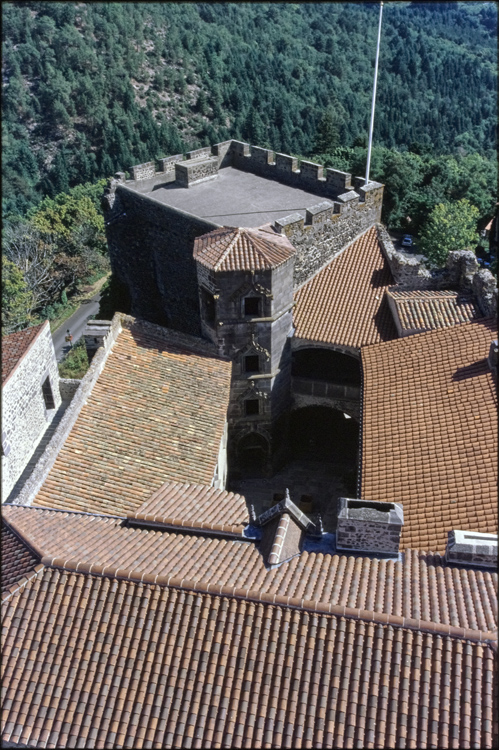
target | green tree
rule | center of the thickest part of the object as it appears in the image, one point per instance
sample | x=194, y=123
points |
x=16, y=299
x=450, y=226
x=327, y=137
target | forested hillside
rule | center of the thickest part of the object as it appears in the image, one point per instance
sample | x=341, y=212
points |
x=90, y=88
x=93, y=88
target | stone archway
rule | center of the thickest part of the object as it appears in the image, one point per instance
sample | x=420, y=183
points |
x=323, y=433
x=253, y=453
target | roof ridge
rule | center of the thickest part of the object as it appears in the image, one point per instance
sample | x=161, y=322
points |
x=37, y=551
x=315, y=606
x=228, y=249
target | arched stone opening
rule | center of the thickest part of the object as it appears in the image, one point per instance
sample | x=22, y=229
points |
x=253, y=453
x=326, y=364
x=324, y=434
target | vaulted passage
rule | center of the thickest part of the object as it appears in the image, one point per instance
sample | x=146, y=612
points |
x=324, y=434
x=326, y=364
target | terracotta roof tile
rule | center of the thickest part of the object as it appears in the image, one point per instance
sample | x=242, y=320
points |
x=429, y=437
x=156, y=413
x=18, y=560
x=194, y=506
x=100, y=662
x=233, y=249
x=15, y=345
x=424, y=310
x=344, y=303
x=421, y=587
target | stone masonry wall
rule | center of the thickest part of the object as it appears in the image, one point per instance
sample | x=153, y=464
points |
x=24, y=414
x=317, y=244
x=47, y=460
x=150, y=246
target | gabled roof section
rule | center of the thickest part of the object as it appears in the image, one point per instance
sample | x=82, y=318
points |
x=237, y=249
x=420, y=310
x=344, y=303
x=15, y=346
x=429, y=431
x=156, y=413
x=194, y=506
x=18, y=560
x=420, y=585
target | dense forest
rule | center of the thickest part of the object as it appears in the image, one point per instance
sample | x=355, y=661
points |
x=92, y=88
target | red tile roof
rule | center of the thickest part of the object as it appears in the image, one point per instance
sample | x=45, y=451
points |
x=231, y=249
x=94, y=661
x=194, y=506
x=18, y=560
x=156, y=413
x=421, y=586
x=425, y=310
x=15, y=345
x=429, y=435
x=344, y=303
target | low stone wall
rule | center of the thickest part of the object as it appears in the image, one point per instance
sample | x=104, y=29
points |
x=462, y=271
x=81, y=394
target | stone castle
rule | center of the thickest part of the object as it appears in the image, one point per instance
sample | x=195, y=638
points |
x=144, y=602
x=196, y=256
x=220, y=242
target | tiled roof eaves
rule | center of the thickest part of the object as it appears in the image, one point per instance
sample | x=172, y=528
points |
x=40, y=328
x=336, y=610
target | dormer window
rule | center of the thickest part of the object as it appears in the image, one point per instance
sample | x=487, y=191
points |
x=252, y=307
x=252, y=363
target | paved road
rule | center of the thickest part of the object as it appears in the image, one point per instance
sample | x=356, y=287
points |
x=76, y=323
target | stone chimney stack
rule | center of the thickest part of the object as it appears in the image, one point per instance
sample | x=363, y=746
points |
x=472, y=548
x=369, y=526
x=94, y=334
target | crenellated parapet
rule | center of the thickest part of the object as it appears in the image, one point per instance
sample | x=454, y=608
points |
x=329, y=183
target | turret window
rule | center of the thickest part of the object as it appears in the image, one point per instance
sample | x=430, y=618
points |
x=252, y=306
x=252, y=363
x=208, y=301
x=251, y=407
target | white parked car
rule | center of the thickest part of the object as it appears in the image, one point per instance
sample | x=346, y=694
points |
x=407, y=240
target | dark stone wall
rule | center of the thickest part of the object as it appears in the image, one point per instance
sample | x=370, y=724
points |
x=150, y=247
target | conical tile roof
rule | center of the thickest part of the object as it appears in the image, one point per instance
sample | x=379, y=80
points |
x=239, y=249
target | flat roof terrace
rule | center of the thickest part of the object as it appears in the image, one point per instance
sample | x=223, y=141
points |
x=232, y=198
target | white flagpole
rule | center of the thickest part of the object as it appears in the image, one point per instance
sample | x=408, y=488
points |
x=374, y=97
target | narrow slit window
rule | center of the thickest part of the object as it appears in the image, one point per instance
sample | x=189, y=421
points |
x=48, y=396
x=209, y=307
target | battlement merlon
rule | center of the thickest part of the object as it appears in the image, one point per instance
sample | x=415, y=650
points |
x=327, y=183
